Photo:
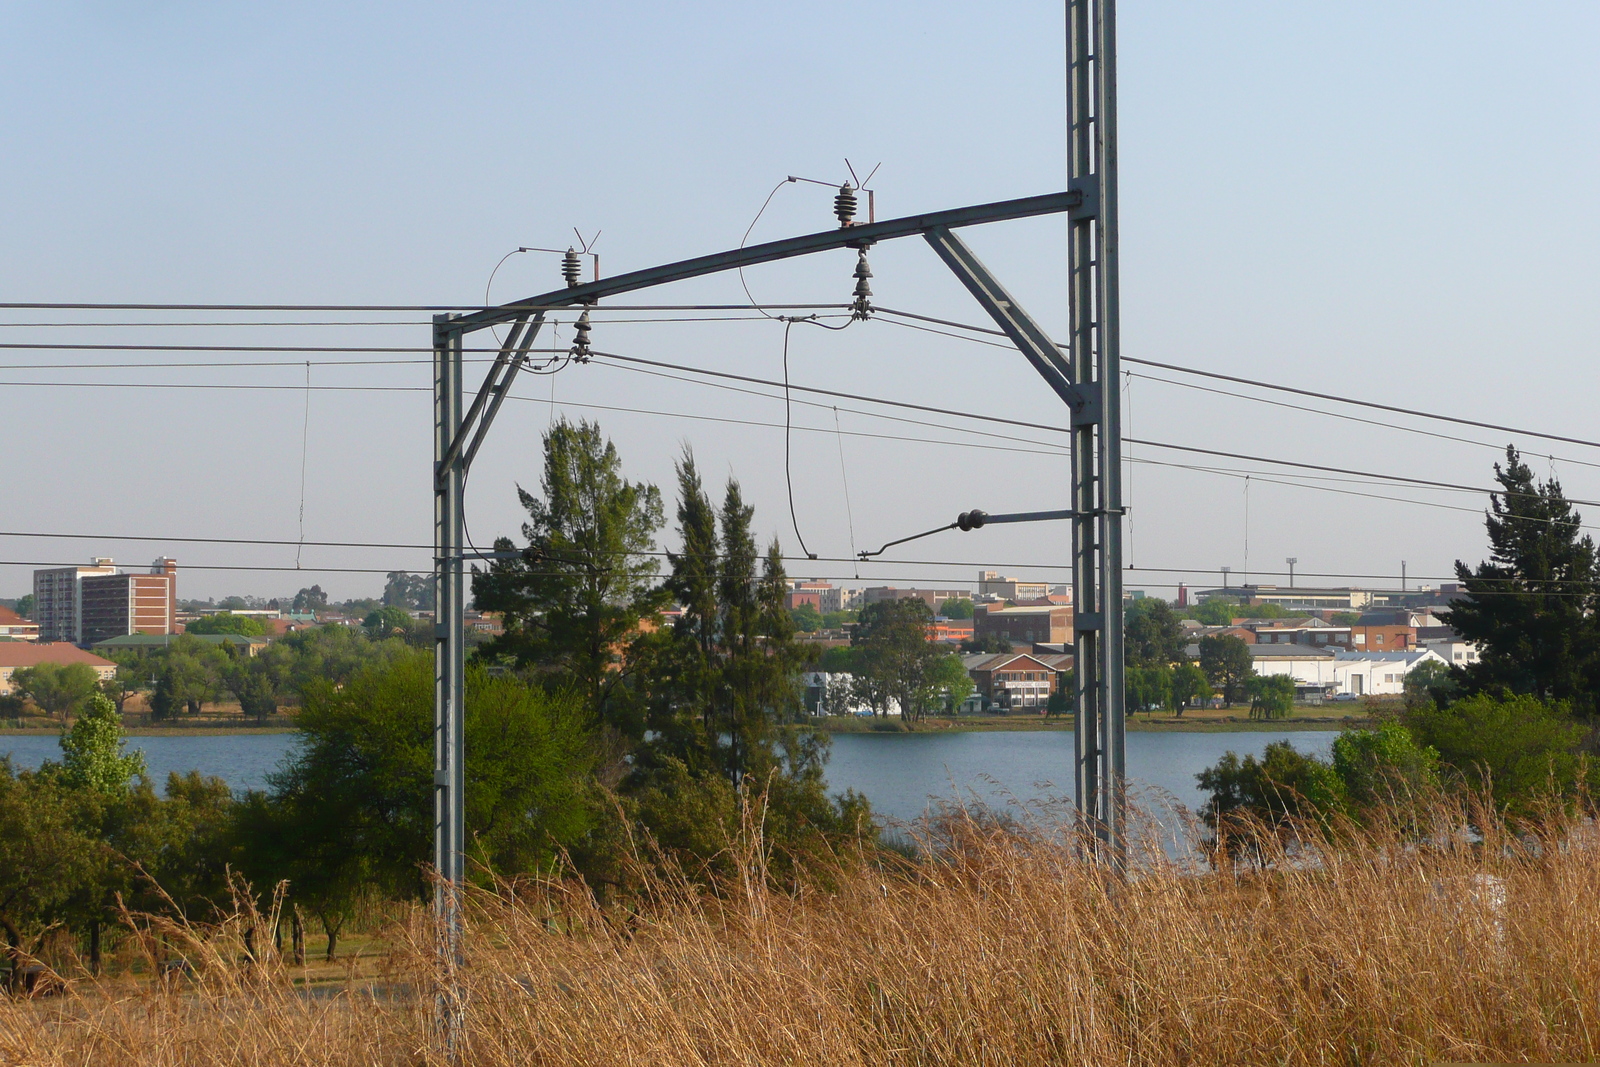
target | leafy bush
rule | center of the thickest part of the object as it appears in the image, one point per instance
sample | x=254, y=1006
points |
x=1383, y=765
x=225, y=622
x=1517, y=747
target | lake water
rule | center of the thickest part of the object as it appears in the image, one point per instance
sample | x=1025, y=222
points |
x=902, y=774
x=899, y=773
x=241, y=760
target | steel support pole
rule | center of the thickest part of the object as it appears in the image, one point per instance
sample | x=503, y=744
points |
x=449, y=669
x=1100, y=724
x=1110, y=331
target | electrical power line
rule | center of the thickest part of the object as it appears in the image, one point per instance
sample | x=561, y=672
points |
x=969, y=563
x=1414, y=412
x=1396, y=478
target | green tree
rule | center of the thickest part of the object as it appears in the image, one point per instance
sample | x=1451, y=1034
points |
x=1431, y=682
x=806, y=618
x=131, y=677
x=1271, y=696
x=1189, y=684
x=1149, y=687
x=92, y=750
x=1061, y=698
x=1519, y=747
x=897, y=660
x=574, y=597
x=1153, y=637
x=57, y=688
x=311, y=600
x=950, y=679
x=1384, y=765
x=388, y=622
x=408, y=591
x=190, y=675
x=842, y=659
x=722, y=688
x=1283, y=786
x=1531, y=607
x=990, y=643
x=956, y=608
x=226, y=622
x=1217, y=611
x=25, y=604
x=352, y=806
x=45, y=859
x=1345, y=618
x=1227, y=663
x=724, y=677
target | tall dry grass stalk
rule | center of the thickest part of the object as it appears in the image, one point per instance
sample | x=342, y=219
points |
x=1000, y=947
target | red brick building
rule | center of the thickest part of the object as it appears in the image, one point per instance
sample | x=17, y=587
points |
x=112, y=605
x=1016, y=680
x=1043, y=624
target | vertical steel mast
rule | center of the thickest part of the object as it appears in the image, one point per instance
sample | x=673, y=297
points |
x=1099, y=737
x=449, y=814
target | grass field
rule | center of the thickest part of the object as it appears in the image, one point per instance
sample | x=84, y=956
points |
x=1001, y=946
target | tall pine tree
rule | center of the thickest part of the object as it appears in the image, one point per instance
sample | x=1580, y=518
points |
x=1530, y=608
x=575, y=597
x=725, y=678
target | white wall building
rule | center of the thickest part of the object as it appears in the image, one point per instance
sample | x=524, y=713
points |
x=1379, y=673
x=1355, y=673
x=1455, y=652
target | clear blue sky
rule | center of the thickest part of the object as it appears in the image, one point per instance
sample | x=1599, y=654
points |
x=1394, y=201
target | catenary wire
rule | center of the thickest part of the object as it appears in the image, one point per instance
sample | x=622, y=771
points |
x=1414, y=412
x=268, y=542
x=248, y=387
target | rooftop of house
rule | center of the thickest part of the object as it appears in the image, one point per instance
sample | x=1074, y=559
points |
x=1035, y=608
x=993, y=661
x=11, y=618
x=1407, y=658
x=18, y=654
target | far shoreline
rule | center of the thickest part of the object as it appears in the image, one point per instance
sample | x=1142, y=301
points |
x=1030, y=724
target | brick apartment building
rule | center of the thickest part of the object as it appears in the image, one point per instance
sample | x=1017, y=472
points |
x=820, y=595
x=934, y=598
x=88, y=604
x=1016, y=680
x=57, y=596
x=1032, y=625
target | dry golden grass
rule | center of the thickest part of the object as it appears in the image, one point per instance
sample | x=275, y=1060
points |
x=1006, y=949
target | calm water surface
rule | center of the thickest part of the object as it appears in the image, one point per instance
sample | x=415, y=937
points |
x=899, y=773
x=903, y=773
x=241, y=760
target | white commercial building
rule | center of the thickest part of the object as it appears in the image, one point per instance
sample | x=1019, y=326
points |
x=1354, y=673
x=1455, y=652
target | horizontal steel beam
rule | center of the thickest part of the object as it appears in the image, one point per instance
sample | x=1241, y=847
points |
x=847, y=237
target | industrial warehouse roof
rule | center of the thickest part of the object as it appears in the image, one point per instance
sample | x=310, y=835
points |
x=1286, y=650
